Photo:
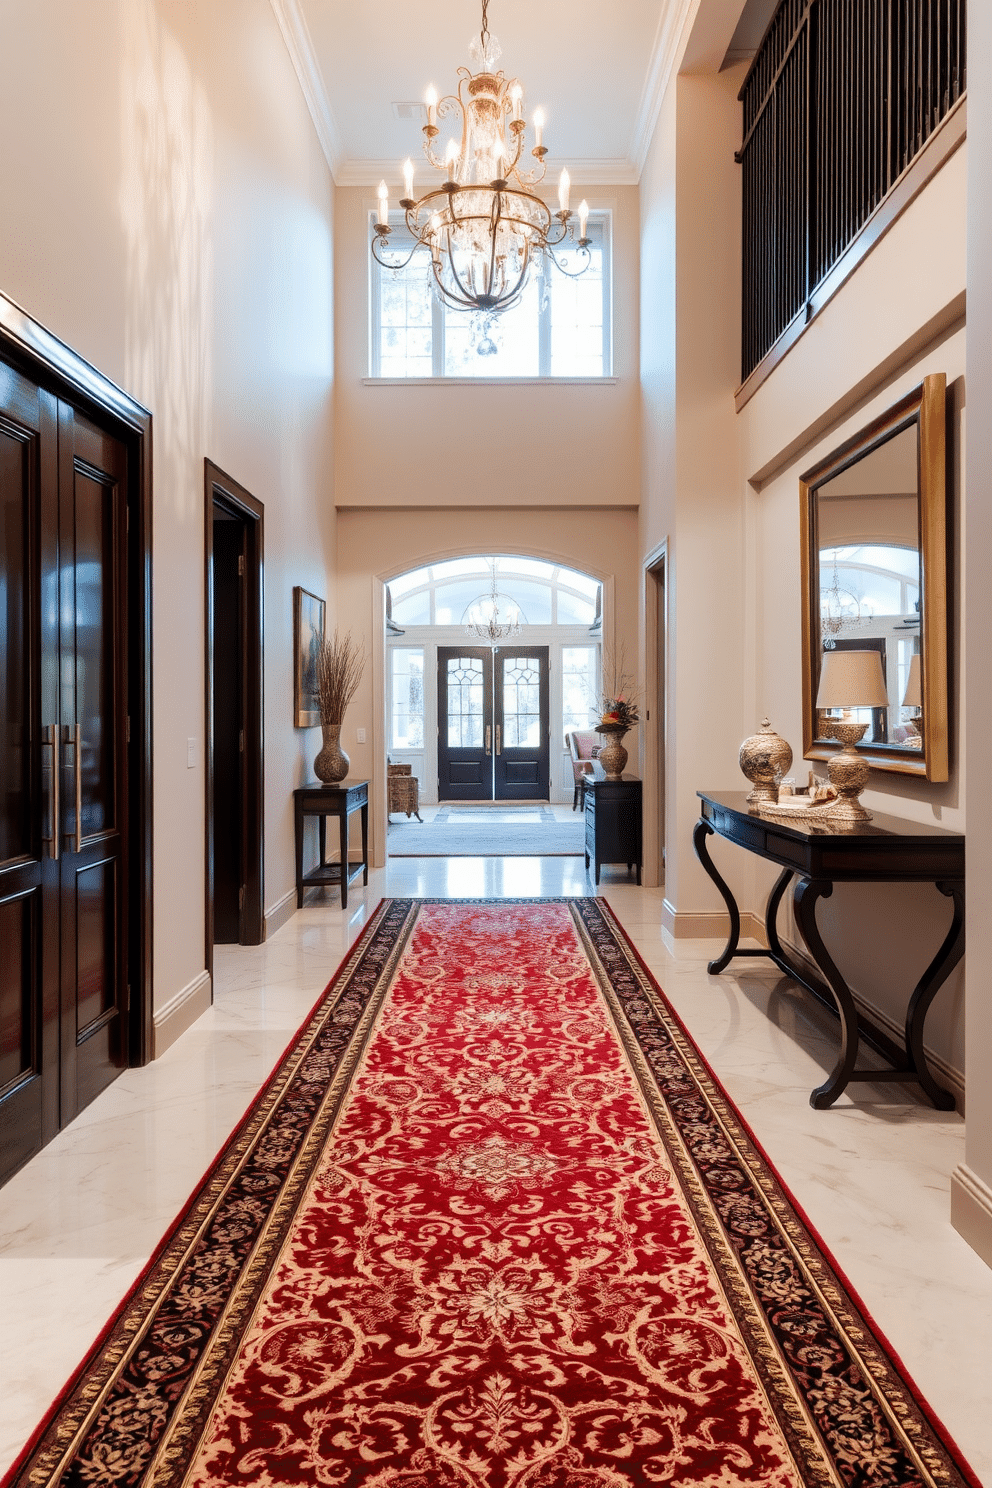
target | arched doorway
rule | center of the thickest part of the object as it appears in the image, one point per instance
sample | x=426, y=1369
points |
x=485, y=722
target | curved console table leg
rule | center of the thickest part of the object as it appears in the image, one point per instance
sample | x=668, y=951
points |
x=929, y=985
x=771, y=915
x=808, y=891
x=700, y=832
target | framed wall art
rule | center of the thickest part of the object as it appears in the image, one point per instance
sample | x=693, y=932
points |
x=308, y=632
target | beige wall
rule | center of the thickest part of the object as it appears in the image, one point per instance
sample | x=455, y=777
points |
x=971, y=1193
x=168, y=213
x=375, y=545
x=722, y=490
x=441, y=445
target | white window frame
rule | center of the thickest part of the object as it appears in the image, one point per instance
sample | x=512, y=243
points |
x=600, y=225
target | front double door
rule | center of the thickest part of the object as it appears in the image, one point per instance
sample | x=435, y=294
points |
x=63, y=808
x=493, y=723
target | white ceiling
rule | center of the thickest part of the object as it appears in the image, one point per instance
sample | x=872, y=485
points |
x=598, y=69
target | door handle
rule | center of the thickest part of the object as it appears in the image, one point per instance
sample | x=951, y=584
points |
x=499, y=745
x=50, y=740
x=76, y=740
x=489, y=738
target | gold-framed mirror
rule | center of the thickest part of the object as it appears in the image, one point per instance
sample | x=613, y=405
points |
x=874, y=561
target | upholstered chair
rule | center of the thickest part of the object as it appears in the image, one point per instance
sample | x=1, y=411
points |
x=584, y=746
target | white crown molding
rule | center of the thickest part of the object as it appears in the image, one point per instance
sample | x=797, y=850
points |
x=670, y=41
x=369, y=173
x=296, y=35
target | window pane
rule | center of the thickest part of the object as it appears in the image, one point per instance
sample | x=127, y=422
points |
x=579, y=693
x=577, y=318
x=465, y=702
x=575, y=611
x=416, y=610
x=521, y=703
x=408, y=699
x=405, y=336
x=513, y=334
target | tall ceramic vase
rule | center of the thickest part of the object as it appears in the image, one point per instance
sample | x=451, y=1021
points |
x=331, y=764
x=612, y=756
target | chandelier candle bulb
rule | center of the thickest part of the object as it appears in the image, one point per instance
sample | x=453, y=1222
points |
x=583, y=219
x=538, y=128
x=564, y=186
x=517, y=95
x=451, y=158
x=383, y=204
x=432, y=107
x=408, y=176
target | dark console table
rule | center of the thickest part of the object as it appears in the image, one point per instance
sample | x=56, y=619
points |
x=613, y=822
x=885, y=850
x=323, y=801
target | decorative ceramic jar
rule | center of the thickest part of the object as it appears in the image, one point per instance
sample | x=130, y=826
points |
x=331, y=764
x=612, y=756
x=764, y=759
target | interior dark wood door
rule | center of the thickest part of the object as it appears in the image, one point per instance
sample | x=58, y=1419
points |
x=29, y=828
x=465, y=723
x=92, y=668
x=230, y=813
x=522, y=758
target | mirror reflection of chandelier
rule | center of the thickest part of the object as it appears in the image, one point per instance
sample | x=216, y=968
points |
x=493, y=617
x=484, y=229
x=839, y=608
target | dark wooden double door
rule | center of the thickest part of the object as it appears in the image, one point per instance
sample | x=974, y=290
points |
x=63, y=781
x=493, y=723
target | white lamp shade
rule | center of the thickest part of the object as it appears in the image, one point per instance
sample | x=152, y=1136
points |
x=852, y=679
x=914, y=695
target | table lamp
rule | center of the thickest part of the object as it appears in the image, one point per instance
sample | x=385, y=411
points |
x=914, y=693
x=850, y=679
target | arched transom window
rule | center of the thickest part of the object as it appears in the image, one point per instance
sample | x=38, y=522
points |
x=443, y=593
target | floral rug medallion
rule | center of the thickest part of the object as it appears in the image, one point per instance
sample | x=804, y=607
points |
x=492, y=1224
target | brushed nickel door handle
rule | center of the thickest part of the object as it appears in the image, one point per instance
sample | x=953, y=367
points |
x=489, y=738
x=50, y=740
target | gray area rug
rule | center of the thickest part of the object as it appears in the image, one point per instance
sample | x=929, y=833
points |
x=486, y=832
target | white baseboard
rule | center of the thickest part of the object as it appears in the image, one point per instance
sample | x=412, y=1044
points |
x=180, y=1013
x=971, y=1210
x=709, y=924
x=280, y=912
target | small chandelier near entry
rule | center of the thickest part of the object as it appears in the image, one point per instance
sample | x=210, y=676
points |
x=486, y=622
x=483, y=228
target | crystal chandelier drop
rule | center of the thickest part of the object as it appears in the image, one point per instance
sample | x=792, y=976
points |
x=484, y=227
x=839, y=608
x=484, y=619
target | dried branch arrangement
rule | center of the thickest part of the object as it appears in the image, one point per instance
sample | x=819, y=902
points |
x=340, y=668
x=621, y=695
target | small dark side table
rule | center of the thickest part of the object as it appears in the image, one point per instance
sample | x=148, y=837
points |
x=885, y=850
x=323, y=801
x=612, y=811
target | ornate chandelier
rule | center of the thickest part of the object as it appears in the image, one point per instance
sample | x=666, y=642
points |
x=486, y=622
x=839, y=608
x=484, y=228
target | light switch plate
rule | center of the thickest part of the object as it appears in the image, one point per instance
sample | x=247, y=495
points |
x=361, y=736
x=191, y=754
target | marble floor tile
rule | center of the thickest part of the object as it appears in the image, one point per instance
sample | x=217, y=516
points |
x=79, y=1221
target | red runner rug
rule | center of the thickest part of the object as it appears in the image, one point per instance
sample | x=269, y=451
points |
x=492, y=1224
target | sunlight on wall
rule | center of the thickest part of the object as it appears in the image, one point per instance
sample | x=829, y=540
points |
x=165, y=207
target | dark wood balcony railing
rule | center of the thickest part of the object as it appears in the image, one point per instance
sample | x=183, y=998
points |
x=839, y=99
